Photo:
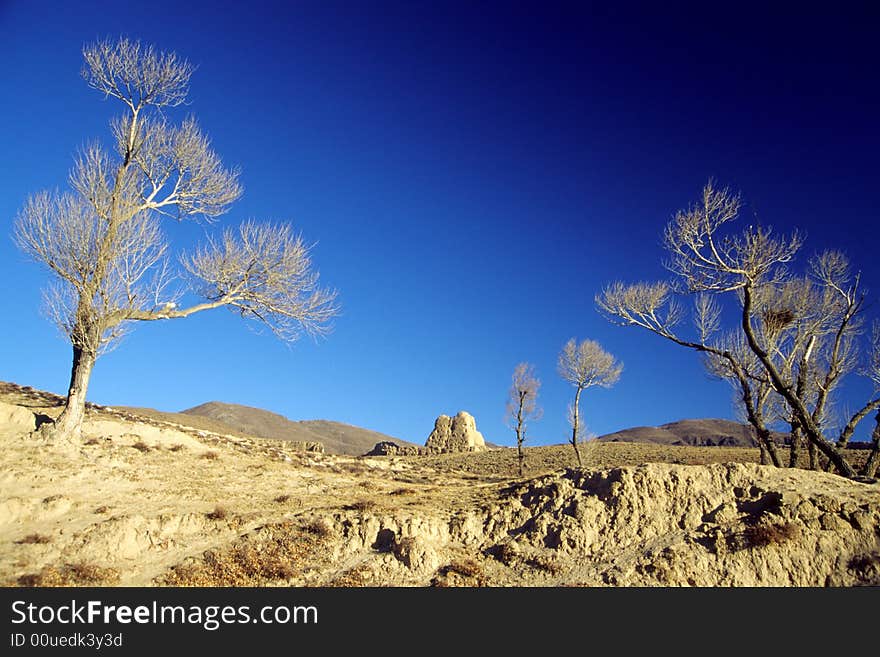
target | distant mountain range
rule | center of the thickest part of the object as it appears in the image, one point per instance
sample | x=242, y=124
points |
x=337, y=438
x=699, y=433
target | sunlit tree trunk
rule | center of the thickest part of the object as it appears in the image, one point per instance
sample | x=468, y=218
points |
x=870, y=468
x=68, y=426
x=575, y=426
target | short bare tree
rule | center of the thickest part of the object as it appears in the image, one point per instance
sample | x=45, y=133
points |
x=584, y=365
x=522, y=406
x=796, y=338
x=103, y=243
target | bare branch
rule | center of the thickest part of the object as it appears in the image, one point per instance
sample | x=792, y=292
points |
x=264, y=272
x=135, y=74
x=586, y=364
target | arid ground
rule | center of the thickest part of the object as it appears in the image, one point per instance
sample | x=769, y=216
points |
x=142, y=502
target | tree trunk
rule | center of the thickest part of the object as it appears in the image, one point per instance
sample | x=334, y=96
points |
x=814, y=456
x=69, y=423
x=794, y=452
x=811, y=430
x=870, y=467
x=763, y=448
x=519, y=450
x=574, y=427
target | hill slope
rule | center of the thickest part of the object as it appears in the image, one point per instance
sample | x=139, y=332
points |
x=337, y=438
x=699, y=433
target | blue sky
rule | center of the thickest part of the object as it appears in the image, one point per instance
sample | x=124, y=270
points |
x=472, y=175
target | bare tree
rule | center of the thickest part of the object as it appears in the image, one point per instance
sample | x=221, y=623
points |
x=522, y=405
x=103, y=243
x=800, y=334
x=585, y=364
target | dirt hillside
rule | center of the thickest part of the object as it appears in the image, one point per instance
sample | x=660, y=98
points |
x=698, y=433
x=142, y=504
x=337, y=438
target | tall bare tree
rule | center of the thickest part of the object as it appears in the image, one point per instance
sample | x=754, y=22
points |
x=102, y=240
x=584, y=365
x=522, y=406
x=801, y=334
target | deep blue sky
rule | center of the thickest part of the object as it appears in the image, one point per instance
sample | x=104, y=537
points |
x=472, y=174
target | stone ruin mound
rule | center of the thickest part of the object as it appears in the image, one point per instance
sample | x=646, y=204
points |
x=456, y=434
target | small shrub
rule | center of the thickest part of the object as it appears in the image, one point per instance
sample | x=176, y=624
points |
x=755, y=536
x=403, y=491
x=71, y=574
x=465, y=567
x=92, y=441
x=176, y=447
x=35, y=539
x=281, y=499
x=547, y=564
x=318, y=528
x=219, y=513
x=361, y=505
x=211, y=456
x=141, y=446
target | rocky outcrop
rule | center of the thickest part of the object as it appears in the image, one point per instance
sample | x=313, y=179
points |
x=456, y=434
x=652, y=525
x=388, y=448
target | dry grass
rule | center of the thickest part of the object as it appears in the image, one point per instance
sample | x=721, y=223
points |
x=461, y=572
x=318, y=528
x=71, y=574
x=356, y=577
x=762, y=535
x=272, y=555
x=35, y=539
x=362, y=505
x=219, y=513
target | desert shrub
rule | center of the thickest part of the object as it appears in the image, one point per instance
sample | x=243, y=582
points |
x=71, y=574
x=141, y=446
x=318, y=528
x=92, y=441
x=211, y=455
x=35, y=539
x=762, y=535
x=254, y=561
x=281, y=499
x=176, y=447
x=465, y=567
x=361, y=505
x=506, y=553
x=219, y=513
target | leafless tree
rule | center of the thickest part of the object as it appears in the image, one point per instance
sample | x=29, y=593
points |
x=801, y=334
x=103, y=243
x=585, y=364
x=522, y=406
